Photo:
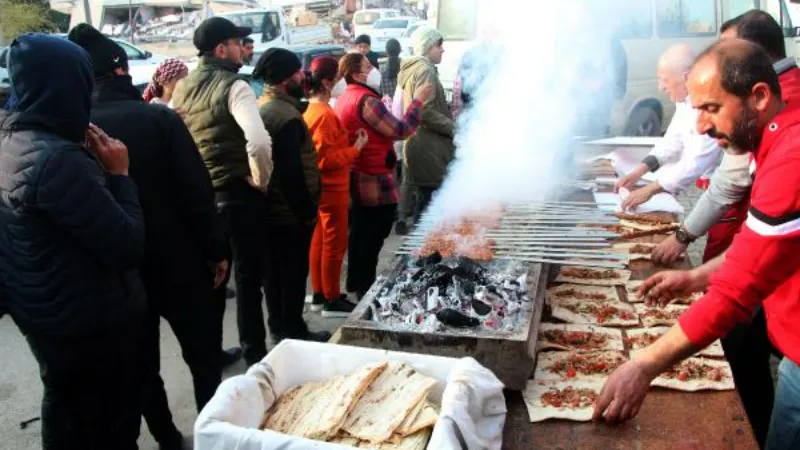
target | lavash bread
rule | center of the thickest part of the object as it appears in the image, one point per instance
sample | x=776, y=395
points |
x=425, y=418
x=387, y=402
x=318, y=410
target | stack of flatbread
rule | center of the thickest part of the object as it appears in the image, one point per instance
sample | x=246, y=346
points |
x=382, y=406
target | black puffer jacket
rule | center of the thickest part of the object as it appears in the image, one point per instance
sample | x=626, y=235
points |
x=69, y=234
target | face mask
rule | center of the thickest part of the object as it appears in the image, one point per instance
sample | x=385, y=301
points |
x=374, y=79
x=338, y=88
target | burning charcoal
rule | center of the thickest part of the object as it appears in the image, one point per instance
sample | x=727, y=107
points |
x=512, y=308
x=480, y=307
x=432, y=298
x=430, y=260
x=471, y=270
x=430, y=324
x=464, y=287
x=449, y=316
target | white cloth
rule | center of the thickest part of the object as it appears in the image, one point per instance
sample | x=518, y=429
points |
x=472, y=400
x=397, y=104
x=695, y=155
x=243, y=108
x=158, y=101
x=374, y=79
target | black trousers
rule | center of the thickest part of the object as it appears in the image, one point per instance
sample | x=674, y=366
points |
x=91, y=389
x=287, y=272
x=369, y=228
x=243, y=211
x=194, y=314
x=748, y=350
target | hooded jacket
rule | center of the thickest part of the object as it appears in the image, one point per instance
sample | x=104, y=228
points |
x=183, y=233
x=428, y=152
x=70, y=234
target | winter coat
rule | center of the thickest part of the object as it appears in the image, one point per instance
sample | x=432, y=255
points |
x=71, y=235
x=183, y=233
x=427, y=153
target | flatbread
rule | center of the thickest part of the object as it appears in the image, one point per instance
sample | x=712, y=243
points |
x=610, y=338
x=626, y=247
x=582, y=292
x=654, y=219
x=642, y=226
x=669, y=379
x=577, y=365
x=714, y=350
x=632, y=291
x=387, y=402
x=605, y=277
x=405, y=425
x=416, y=441
x=345, y=440
x=426, y=417
x=539, y=411
x=318, y=410
x=576, y=311
x=666, y=316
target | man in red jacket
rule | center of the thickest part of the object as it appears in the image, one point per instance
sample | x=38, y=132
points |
x=739, y=98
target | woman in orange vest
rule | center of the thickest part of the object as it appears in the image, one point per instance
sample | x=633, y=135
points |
x=336, y=156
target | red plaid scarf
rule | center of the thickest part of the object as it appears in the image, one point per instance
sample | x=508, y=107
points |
x=167, y=71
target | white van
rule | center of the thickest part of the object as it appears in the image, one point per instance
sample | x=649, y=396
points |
x=365, y=18
x=270, y=29
x=652, y=26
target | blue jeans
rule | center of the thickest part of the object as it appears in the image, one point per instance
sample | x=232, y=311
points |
x=784, y=429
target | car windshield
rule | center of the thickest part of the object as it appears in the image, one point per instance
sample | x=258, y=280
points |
x=367, y=18
x=391, y=23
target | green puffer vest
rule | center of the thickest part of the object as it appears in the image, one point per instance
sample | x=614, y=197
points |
x=204, y=97
x=276, y=111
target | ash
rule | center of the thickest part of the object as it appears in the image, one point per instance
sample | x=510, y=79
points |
x=433, y=294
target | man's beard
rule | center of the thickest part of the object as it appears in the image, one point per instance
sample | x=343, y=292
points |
x=745, y=136
x=295, y=90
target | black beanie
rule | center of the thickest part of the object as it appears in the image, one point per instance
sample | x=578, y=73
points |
x=106, y=54
x=276, y=65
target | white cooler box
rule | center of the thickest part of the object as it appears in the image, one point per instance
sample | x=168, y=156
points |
x=473, y=408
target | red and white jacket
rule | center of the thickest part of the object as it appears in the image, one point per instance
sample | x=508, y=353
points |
x=763, y=263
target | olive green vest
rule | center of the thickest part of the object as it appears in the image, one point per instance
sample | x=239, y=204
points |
x=276, y=111
x=204, y=96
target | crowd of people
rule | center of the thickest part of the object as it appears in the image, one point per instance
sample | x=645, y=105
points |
x=120, y=209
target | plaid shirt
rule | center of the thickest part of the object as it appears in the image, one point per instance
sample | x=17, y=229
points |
x=373, y=190
x=383, y=121
x=456, y=103
x=388, y=84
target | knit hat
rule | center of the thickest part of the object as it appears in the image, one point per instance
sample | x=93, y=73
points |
x=106, y=54
x=211, y=32
x=276, y=65
x=169, y=69
x=424, y=39
x=364, y=39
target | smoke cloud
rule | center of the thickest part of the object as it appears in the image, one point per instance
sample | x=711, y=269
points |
x=540, y=75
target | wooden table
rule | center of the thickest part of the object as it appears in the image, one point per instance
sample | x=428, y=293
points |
x=668, y=420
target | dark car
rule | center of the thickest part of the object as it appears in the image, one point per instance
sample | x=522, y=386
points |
x=308, y=52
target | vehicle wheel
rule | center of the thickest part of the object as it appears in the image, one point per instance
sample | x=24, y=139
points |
x=643, y=121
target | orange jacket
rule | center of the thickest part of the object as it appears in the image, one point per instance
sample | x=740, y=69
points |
x=336, y=155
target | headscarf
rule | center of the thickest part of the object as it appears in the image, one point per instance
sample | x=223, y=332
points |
x=169, y=70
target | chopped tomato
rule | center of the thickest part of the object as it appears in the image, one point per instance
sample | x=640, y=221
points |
x=571, y=373
x=683, y=376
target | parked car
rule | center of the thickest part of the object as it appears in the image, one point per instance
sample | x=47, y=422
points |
x=364, y=19
x=270, y=29
x=406, y=45
x=391, y=28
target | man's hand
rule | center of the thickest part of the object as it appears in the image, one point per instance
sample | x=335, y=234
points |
x=640, y=196
x=220, y=272
x=623, y=393
x=111, y=153
x=664, y=286
x=668, y=251
x=629, y=181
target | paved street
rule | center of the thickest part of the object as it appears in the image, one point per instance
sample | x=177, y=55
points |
x=20, y=388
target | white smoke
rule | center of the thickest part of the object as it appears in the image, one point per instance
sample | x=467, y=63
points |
x=533, y=74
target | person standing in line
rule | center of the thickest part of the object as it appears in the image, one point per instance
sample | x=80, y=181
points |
x=364, y=46
x=336, y=157
x=429, y=152
x=185, y=248
x=72, y=235
x=221, y=113
x=168, y=74
x=249, y=47
x=390, y=70
x=292, y=198
x=372, y=184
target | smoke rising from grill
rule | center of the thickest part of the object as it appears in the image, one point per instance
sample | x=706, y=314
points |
x=540, y=75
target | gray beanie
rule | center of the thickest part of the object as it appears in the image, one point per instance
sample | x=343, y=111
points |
x=424, y=39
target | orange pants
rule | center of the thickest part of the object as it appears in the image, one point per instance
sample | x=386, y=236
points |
x=329, y=243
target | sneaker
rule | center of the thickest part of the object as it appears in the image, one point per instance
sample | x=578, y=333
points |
x=317, y=302
x=400, y=228
x=318, y=336
x=230, y=356
x=338, y=308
